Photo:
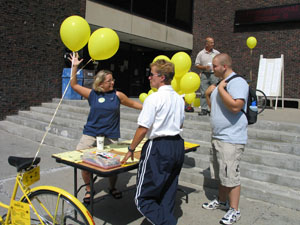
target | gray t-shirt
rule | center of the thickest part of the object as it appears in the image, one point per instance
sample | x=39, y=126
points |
x=226, y=125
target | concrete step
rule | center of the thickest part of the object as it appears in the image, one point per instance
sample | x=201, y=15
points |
x=79, y=103
x=58, y=120
x=84, y=104
x=253, y=156
x=60, y=113
x=270, y=135
x=69, y=108
x=273, y=193
x=270, y=174
x=194, y=122
x=276, y=126
x=260, y=125
x=42, y=126
x=288, y=148
x=37, y=135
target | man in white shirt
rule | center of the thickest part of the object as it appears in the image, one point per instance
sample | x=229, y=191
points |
x=162, y=155
x=204, y=63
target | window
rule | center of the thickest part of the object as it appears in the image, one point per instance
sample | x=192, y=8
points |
x=118, y=4
x=175, y=13
x=180, y=14
x=287, y=13
x=154, y=9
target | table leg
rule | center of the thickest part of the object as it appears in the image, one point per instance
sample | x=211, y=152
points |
x=75, y=182
x=186, y=194
x=92, y=193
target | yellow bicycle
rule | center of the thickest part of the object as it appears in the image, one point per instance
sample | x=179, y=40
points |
x=42, y=204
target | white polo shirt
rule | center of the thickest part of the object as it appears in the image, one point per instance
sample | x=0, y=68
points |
x=204, y=57
x=162, y=113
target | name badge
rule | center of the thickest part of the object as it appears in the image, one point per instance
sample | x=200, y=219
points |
x=101, y=100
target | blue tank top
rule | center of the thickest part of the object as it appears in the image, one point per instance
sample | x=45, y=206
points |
x=104, y=115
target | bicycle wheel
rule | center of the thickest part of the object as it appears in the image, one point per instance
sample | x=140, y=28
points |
x=56, y=206
x=261, y=100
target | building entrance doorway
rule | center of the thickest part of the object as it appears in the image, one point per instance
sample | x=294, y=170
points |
x=130, y=67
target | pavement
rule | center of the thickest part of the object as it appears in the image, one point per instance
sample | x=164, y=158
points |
x=118, y=212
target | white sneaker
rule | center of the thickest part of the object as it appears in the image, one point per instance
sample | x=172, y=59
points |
x=215, y=204
x=231, y=216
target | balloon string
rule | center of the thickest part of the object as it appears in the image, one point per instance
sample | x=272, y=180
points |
x=49, y=125
x=251, y=64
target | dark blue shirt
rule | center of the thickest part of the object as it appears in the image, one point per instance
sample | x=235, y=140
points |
x=104, y=116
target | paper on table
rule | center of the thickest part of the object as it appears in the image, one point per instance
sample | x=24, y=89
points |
x=72, y=156
x=190, y=145
x=130, y=162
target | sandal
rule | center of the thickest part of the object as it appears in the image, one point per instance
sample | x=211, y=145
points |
x=87, y=199
x=115, y=193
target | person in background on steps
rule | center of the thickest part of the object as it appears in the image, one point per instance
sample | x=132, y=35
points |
x=207, y=77
x=103, y=118
x=229, y=136
x=163, y=153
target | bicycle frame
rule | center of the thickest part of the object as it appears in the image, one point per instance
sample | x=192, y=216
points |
x=25, y=189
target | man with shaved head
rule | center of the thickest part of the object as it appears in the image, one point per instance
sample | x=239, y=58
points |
x=229, y=136
x=204, y=63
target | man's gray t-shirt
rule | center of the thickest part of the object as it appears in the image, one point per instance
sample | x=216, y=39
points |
x=226, y=125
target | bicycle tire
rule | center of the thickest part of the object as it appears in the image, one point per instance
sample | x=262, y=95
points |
x=261, y=100
x=63, y=207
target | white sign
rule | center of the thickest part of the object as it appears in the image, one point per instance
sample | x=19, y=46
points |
x=270, y=72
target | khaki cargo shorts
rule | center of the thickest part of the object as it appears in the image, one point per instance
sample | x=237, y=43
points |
x=225, y=162
x=87, y=141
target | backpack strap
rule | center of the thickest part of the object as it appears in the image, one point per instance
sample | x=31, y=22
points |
x=234, y=76
x=227, y=81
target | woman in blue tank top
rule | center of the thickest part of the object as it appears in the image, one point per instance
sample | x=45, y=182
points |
x=103, y=118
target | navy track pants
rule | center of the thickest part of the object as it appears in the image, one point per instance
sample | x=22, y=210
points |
x=157, y=180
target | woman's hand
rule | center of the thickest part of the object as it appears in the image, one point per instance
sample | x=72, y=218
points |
x=74, y=60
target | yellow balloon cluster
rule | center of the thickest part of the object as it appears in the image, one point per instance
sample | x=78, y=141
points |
x=251, y=42
x=75, y=33
x=144, y=95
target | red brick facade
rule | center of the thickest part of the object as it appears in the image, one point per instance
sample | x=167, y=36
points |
x=216, y=19
x=31, y=58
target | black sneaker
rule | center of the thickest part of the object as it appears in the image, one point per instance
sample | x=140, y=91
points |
x=203, y=112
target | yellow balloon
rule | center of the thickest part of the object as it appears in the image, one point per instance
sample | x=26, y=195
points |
x=142, y=97
x=75, y=33
x=179, y=92
x=154, y=89
x=175, y=85
x=150, y=92
x=161, y=57
x=103, y=44
x=182, y=62
x=189, y=98
x=190, y=82
x=251, y=42
x=178, y=76
x=196, y=102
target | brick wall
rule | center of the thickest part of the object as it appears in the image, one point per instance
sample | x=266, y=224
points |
x=31, y=59
x=216, y=19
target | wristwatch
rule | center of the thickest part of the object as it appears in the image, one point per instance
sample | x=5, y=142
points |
x=131, y=150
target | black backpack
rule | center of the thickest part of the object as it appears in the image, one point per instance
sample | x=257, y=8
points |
x=252, y=98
